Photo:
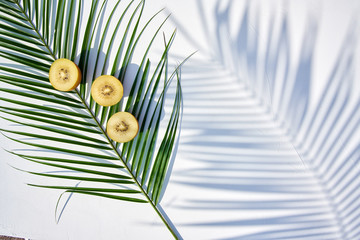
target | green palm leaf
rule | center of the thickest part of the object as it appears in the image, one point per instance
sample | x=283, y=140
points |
x=35, y=33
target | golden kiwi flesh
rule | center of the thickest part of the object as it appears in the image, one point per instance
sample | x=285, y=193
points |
x=122, y=127
x=107, y=90
x=64, y=75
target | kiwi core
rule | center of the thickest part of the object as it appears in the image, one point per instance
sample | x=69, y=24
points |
x=122, y=127
x=64, y=75
x=106, y=90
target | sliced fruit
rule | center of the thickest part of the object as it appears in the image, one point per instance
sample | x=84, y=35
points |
x=64, y=75
x=107, y=90
x=122, y=127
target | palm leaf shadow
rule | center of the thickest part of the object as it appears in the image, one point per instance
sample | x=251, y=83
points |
x=256, y=146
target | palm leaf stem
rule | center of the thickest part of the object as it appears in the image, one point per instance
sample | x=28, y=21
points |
x=157, y=210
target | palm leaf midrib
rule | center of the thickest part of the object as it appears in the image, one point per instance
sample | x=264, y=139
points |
x=45, y=44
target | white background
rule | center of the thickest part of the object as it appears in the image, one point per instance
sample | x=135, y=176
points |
x=241, y=170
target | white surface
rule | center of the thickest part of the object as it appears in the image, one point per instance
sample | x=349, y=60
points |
x=237, y=174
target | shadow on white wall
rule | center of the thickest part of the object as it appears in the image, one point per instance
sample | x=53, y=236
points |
x=263, y=162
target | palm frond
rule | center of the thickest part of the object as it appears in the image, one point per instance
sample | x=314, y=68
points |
x=35, y=33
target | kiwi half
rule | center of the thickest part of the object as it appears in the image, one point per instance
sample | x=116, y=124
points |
x=122, y=127
x=64, y=75
x=107, y=90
